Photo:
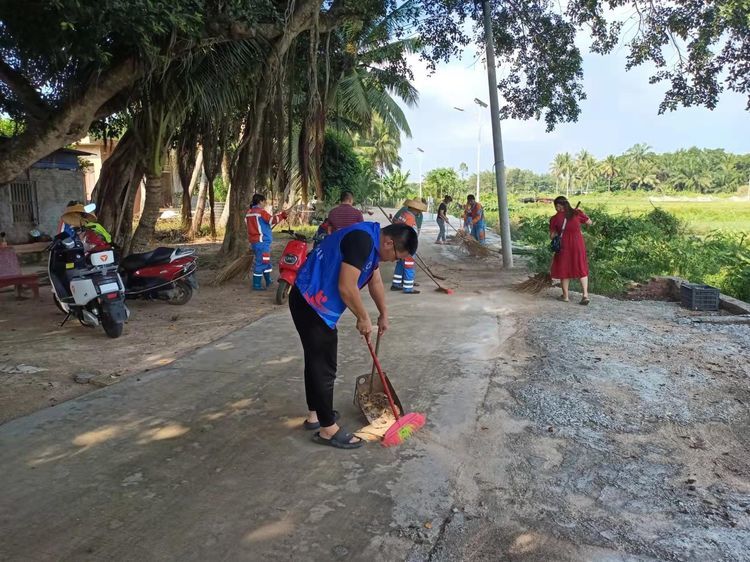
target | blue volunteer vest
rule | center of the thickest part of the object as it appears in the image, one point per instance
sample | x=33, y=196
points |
x=318, y=280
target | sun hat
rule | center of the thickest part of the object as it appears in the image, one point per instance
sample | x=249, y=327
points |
x=76, y=215
x=415, y=204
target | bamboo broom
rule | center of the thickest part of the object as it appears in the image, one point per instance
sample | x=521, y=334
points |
x=237, y=267
x=473, y=246
x=534, y=285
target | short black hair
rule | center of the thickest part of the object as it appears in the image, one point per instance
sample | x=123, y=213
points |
x=258, y=198
x=404, y=237
x=470, y=197
x=346, y=194
x=448, y=198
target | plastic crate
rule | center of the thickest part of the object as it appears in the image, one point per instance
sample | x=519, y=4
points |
x=699, y=297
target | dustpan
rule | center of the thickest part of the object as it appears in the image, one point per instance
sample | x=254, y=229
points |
x=370, y=396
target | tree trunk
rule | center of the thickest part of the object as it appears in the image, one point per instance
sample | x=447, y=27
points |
x=197, y=171
x=67, y=125
x=115, y=191
x=187, y=192
x=200, y=206
x=225, y=178
x=224, y=219
x=175, y=169
x=211, y=213
x=185, y=164
x=147, y=224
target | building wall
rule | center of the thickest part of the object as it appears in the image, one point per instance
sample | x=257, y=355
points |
x=54, y=188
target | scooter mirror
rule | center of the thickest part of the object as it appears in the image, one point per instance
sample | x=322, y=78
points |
x=90, y=208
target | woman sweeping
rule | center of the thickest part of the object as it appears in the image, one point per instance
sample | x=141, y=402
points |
x=570, y=262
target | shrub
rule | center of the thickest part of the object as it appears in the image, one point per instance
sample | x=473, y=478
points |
x=624, y=249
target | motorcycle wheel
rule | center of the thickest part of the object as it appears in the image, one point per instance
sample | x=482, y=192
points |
x=111, y=328
x=184, y=293
x=282, y=292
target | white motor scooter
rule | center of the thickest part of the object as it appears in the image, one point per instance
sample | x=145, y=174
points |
x=87, y=287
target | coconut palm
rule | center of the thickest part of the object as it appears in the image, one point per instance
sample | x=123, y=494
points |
x=586, y=168
x=368, y=84
x=609, y=168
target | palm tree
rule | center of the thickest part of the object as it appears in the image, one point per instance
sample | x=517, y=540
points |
x=563, y=169
x=644, y=176
x=381, y=146
x=396, y=185
x=586, y=168
x=368, y=84
x=609, y=169
x=639, y=153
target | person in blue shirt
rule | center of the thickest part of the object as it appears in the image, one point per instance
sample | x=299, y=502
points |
x=327, y=284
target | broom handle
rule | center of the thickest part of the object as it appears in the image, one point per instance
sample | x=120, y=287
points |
x=382, y=379
x=377, y=350
x=439, y=286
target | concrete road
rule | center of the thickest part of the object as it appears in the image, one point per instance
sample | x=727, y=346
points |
x=206, y=459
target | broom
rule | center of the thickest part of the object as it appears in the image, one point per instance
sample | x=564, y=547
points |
x=474, y=247
x=237, y=267
x=423, y=266
x=405, y=425
x=535, y=284
x=538, y=282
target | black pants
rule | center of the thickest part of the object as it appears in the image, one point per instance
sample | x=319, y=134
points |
x=320, y=344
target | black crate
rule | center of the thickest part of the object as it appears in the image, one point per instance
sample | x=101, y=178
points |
x=699, y=297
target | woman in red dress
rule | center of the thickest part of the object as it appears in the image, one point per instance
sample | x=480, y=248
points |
x=570, y=262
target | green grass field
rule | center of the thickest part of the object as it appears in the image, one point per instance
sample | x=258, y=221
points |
x=700, y=216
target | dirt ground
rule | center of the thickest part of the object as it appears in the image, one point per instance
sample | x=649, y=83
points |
x=31, y=336
x=555, y=432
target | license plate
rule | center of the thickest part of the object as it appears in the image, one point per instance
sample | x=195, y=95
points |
x=108, y=288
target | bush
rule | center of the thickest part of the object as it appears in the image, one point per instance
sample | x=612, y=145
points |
x=341, y=168
x=624, y=249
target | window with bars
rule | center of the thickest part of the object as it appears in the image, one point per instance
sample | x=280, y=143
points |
x=23, y=202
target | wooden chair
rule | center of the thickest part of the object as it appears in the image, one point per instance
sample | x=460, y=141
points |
x=10, y=273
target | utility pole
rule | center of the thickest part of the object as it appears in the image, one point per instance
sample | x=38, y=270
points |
x=421, y=152
x=502, y=196
x=480, y=106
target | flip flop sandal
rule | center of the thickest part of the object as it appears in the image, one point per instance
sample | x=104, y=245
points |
x=584, y=301
x=316, y=425
x=340, y=440
x=562, y=299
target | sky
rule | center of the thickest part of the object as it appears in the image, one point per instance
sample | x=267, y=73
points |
x=621, y=110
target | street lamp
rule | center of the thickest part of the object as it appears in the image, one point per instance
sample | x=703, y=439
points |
x=421, y=152
x=480, y=105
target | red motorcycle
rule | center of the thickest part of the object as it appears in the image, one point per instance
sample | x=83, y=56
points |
x=166, y=274
x=292, y=259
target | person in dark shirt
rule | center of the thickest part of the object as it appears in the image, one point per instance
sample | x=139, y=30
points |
x=344, y=214
x=442, y=218
x=327, y=284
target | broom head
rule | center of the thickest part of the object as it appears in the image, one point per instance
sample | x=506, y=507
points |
x=403, y=428
x=535, y=284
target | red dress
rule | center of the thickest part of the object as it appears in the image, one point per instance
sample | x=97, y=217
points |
x=571, y=262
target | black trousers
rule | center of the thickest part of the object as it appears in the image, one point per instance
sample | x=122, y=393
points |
x=320, y=344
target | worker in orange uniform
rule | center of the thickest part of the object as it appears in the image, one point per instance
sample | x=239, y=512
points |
x=259, y=224
x=475, y=215
x=403, y=276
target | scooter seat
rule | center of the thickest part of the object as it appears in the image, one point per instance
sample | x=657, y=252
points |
x=154, y=257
